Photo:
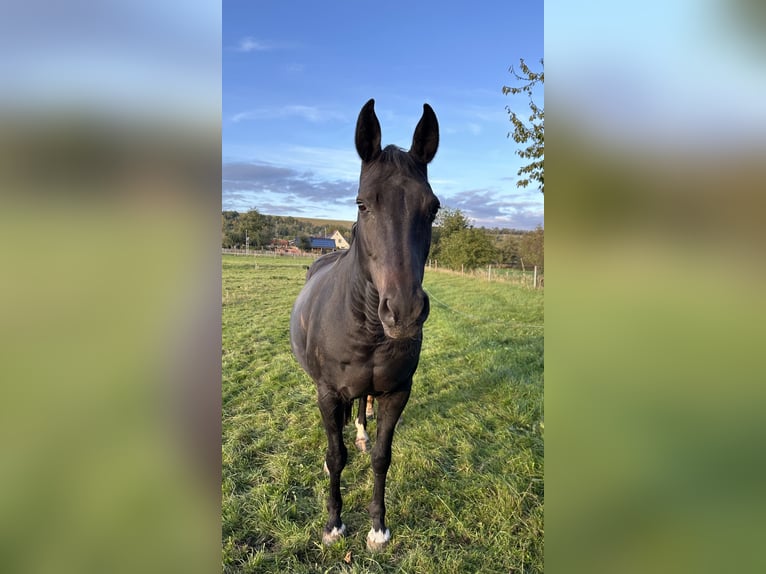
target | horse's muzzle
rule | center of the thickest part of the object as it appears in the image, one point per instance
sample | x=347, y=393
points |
x=403, y=317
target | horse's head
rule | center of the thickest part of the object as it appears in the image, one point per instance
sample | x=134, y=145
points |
x=396, y=210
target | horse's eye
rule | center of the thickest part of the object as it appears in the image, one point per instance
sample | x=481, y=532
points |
x=361, y=205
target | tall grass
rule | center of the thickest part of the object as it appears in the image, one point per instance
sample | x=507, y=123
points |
x=465, y=490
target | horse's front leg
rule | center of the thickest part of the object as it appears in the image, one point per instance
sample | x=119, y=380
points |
x=362, y=440
x=333, y=415
x=390, y=406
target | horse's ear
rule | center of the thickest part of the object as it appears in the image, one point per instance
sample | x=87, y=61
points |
x=425, y=141
x=368, y=133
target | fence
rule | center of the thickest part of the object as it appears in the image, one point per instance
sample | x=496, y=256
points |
x=529, y=278
x=533, y=278
x=267, y=253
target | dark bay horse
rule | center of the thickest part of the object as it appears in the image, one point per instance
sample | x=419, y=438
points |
x=357, y=325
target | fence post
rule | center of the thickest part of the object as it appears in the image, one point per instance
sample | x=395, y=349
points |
x=535, y=277
x=489, y=273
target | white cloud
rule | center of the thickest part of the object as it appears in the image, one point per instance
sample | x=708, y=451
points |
x=495, y=208
x=280, y=190
x=310, y=113
x=248, y=44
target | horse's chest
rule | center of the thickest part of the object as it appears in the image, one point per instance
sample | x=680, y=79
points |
x=390, y=366
x=380, y=370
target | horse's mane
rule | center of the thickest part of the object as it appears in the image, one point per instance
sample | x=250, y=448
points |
x=400, y=158
x=330, y=258
x=323, y=261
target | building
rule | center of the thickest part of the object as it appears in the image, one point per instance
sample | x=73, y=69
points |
x=340, y=241
x=323, y=244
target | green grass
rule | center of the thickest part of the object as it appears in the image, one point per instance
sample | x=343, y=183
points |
x=465, y=490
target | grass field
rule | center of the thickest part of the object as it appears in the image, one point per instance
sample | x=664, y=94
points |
x=465, y=490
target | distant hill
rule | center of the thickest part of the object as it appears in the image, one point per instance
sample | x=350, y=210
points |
x=331, y=224
x=260, y=230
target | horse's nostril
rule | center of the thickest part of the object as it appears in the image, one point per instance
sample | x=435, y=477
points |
x=386, y=313
x=397, y=312
x=426, y=310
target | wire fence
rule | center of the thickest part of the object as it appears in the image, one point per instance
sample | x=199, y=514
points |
x=268, y=252
x=532, y=278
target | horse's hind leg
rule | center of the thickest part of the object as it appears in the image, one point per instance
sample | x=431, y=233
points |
x=390, y=407
x=362, y=441
x=333, y=417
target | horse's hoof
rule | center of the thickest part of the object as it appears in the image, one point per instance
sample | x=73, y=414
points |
x=334, y=535
x=377, y=540
x=326, y=470
x=362, y=444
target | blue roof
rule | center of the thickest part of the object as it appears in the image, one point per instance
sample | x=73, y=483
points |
x=322, y=243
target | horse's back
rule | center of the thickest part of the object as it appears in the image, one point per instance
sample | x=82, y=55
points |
x=311, y=295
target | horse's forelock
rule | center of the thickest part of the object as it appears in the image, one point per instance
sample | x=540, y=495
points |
x=399, y=158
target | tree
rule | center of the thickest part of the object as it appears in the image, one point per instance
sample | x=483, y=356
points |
x=508, y=249
x=451, y=221
x=467, y=248
x=230, y=229
x=458, y=244
x=532, y=248
x=448, y=221
x=258, y=227
x=530, y=133
x=240, y=228
x=304, y=242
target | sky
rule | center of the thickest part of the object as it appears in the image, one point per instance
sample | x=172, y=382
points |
x=132, y=59
x=296, y=74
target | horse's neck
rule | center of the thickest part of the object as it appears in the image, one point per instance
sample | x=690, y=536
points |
x=362, y=295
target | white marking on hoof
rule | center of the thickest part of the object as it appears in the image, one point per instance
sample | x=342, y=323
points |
x=334, y=535
x=377, y=540
x=362, y=438
x=326, y=470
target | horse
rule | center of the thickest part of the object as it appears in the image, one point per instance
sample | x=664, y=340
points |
x=356, y=327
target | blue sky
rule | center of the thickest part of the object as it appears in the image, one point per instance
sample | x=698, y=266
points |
x=296, y=73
